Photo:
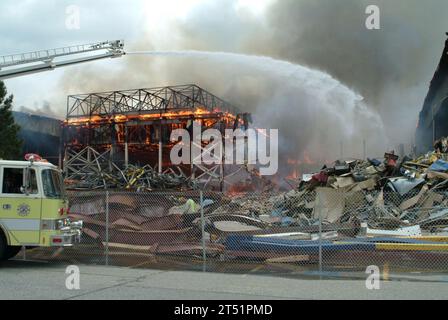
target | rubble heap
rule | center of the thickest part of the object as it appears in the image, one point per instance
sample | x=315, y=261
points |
x=137, y=178
x=389, y=193
x=350, y=206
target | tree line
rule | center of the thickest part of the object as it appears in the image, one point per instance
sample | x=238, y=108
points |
x=10, y=143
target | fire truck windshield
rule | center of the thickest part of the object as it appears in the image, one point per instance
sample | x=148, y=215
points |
x=52, y=183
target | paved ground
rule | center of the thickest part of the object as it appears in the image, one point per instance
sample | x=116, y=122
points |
x=36, y=280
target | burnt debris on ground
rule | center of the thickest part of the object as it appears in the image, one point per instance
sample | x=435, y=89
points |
x=345, y=210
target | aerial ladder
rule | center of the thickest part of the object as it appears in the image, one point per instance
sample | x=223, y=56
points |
x=32, y=62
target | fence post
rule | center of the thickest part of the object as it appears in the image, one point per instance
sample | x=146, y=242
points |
x=319, y=211
x=23, y=253
x=204, y=255
x=107, y=228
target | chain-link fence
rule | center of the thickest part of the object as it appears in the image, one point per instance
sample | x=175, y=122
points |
x=320, y=232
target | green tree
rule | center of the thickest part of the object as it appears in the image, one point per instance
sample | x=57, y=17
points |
x=10, y=143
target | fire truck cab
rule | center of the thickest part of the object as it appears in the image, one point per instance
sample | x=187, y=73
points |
x=33, y=207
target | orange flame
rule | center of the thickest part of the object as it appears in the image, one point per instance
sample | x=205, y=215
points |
x=198, y=114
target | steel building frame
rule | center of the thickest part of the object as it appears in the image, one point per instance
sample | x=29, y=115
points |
x=143, y=101
x=100, y=112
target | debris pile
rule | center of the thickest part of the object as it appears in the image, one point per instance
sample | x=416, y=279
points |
x=388, y=193
x=137, y=178
x=131, y=222
x=353, y=205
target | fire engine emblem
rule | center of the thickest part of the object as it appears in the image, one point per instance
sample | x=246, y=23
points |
x=23, y=210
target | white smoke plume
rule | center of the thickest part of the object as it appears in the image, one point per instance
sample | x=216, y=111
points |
x=316, y=100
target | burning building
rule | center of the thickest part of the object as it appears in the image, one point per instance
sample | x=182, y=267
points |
x=114, y=130
x=434, y=115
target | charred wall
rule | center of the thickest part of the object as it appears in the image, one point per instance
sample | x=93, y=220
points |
x=433, y=120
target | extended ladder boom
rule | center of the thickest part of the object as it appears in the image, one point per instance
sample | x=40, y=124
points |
x=20, y=64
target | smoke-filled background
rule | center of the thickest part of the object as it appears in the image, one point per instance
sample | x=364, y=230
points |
x=356, y=84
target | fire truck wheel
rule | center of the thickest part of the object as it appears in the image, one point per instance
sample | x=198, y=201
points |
x=3, y=246
x=11, y=252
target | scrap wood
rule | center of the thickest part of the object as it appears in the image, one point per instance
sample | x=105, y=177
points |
x=134, y=218
x=414, y=200
x=379, y=201
x=392, y=239
x=114, y=245
x=351, y=228
x=435, y=174
x=332, y=235
x=169, y=222
x=233, y=226
x=180, y=248
x=156, y=208
x=146, y=237
x=238, y=218
x=125, y=224
x=289, y=235
x=371, y=170
x=246, y=224
x=89, y=232
x=131, y=221
x=354, y=199
x=369, y=184
x=258, y=255
x=402, y=244
x=405, y=231
x=415, y=164
x=387, y=221
x=161, y=232
x=432, y=238
x=186, y=248
x=411, y=247
x=431, y=199
x=441, y=214
x=330, y=206
x=248, y=243
x=249, y=254
x=289, y=259
x=87, y=207
x=124, y=202
x=343, y=182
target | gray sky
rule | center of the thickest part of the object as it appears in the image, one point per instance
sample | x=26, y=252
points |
x=31, y=25
x=391, y=68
